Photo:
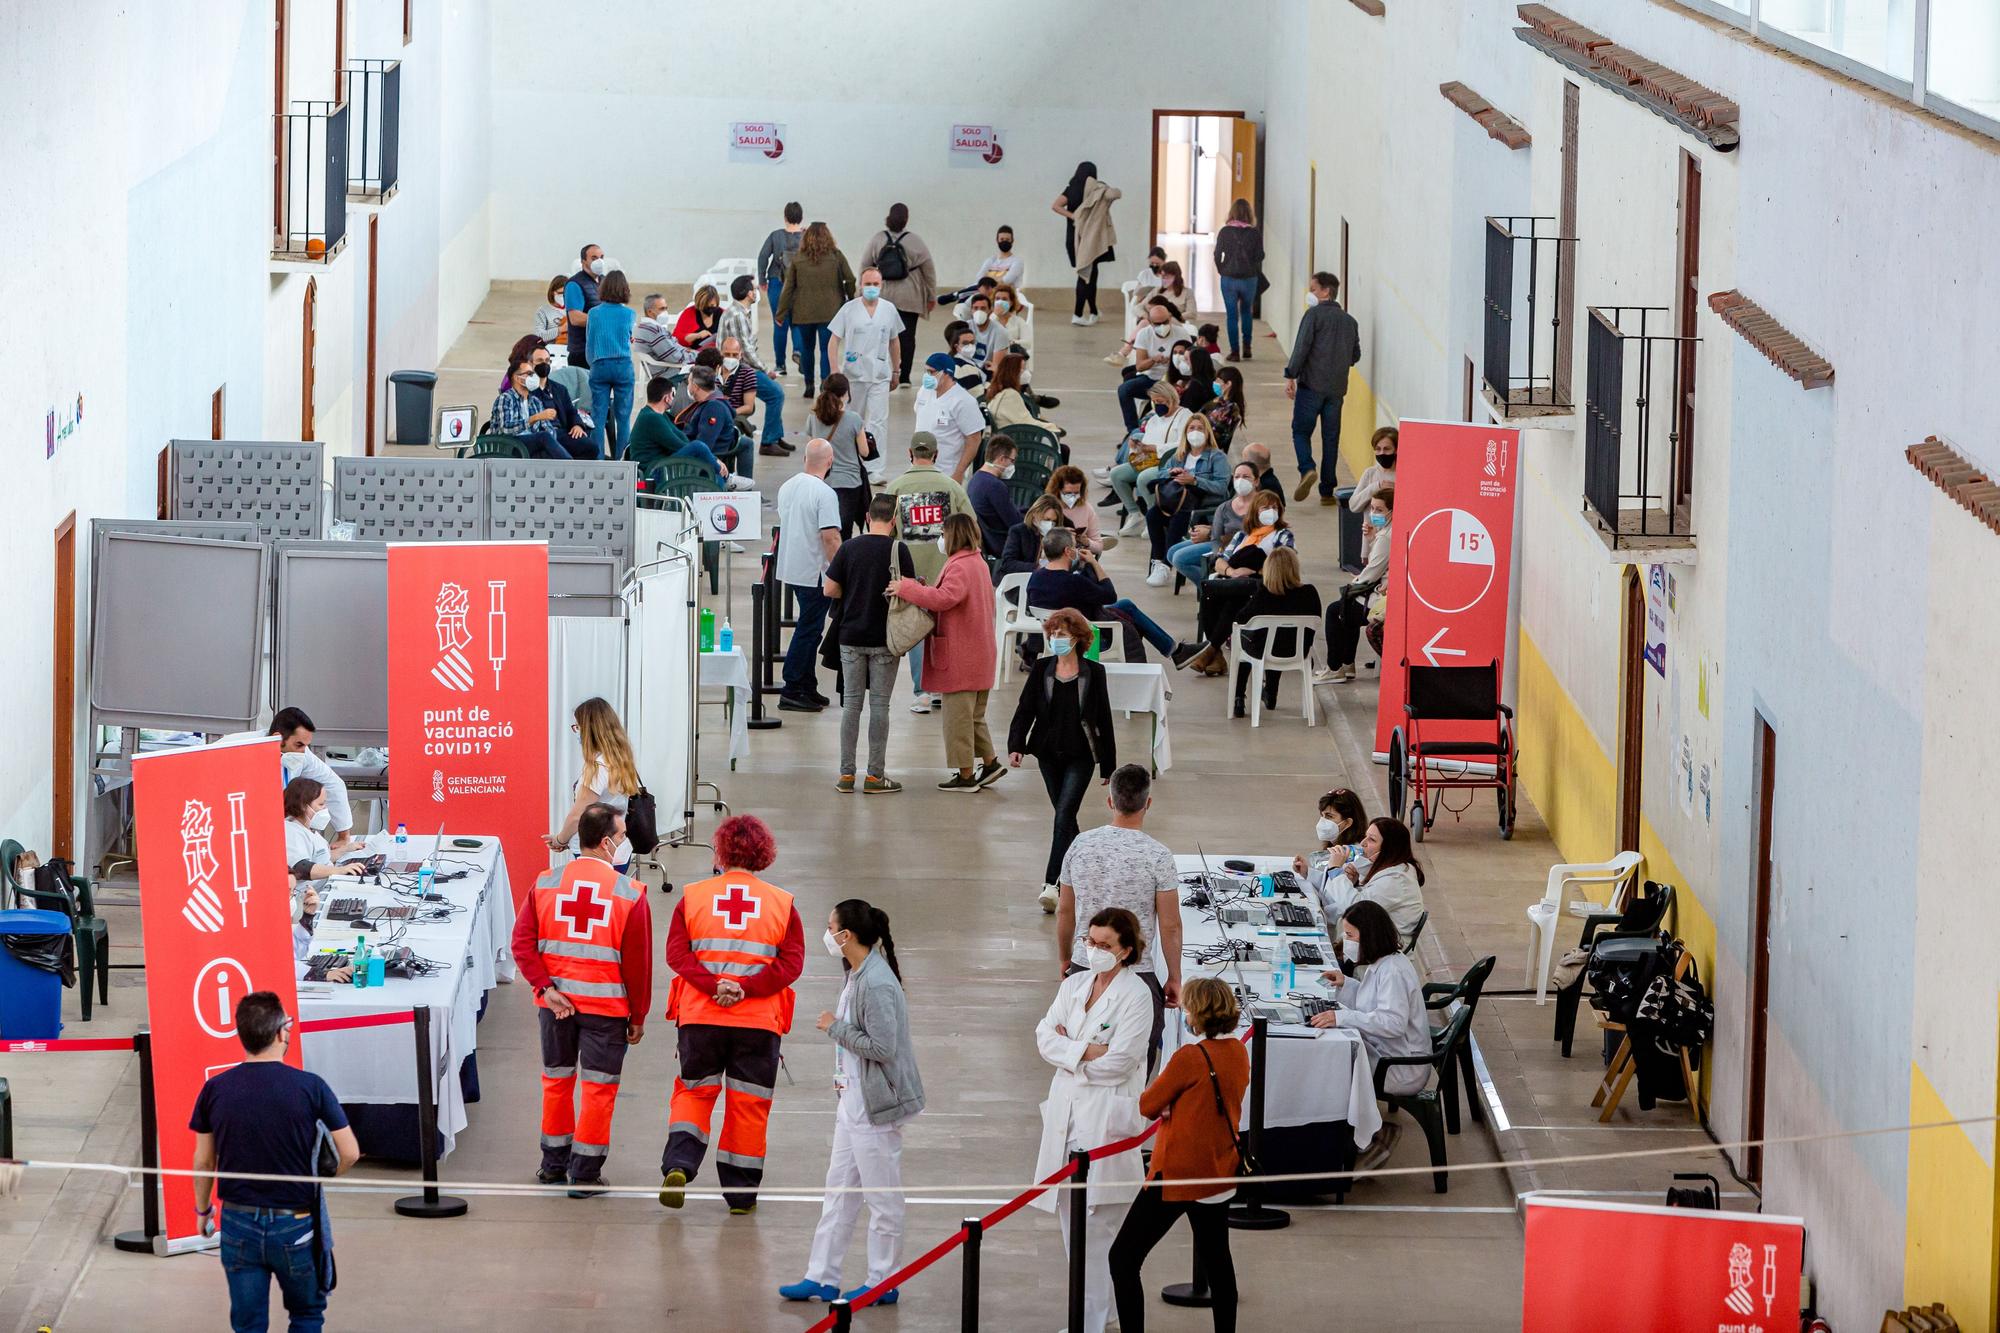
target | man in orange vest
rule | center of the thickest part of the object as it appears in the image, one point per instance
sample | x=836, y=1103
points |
x=736, y=945
x=584, y=941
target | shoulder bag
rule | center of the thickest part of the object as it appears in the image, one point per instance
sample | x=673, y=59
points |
x=1245, y=1165
x=642, y=822
x=909, y=624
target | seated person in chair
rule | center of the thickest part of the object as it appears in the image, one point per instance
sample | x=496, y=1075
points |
x=570, y=430
x=1384, y=1002
x=1285, y=593
x=1023, y=552
x=1346, y=617
x=1386, y=873
x=991, y=504
x=655, y=438
x=1060, y=583
x=707, y=420
x=1234, y=581
x=516, y=413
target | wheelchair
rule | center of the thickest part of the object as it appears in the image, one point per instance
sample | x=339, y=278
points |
x=1424, y=767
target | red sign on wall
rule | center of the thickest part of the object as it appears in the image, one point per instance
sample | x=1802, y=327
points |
x=1627, y=1268
x=1450, y=563
x=469, y=695
x=215, y=900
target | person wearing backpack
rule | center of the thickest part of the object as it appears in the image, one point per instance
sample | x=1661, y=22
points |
x=909, y=278
x=858, y=578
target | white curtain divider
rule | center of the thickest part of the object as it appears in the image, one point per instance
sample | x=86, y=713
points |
x=587, y=658
x=660, y=698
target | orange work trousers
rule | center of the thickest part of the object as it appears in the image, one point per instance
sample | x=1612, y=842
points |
x=741, y=1064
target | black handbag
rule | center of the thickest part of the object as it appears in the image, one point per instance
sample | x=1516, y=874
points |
x=642, y=822
x=1245, y=1165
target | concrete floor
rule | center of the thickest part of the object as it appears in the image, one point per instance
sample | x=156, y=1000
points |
x=958, y=877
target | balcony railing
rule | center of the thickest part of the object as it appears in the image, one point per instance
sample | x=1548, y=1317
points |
x=1636, y=463
x=1528, y=274
x=312, y=212
x=374, y=98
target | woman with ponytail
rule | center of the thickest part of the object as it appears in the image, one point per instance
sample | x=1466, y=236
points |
x=877, y=1090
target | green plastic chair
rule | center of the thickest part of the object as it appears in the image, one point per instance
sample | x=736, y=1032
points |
x=93, y=936
x=499, y=446
x=1427, y=1107
x=1024, y=488
x=1439, y=997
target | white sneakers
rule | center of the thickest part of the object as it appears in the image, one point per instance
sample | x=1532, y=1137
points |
x=1135, y=524
x=1083, y=321
x=1048, y=899
x=1160, y=575
x=738, y=482
x=1333, y=676
x=924, y=703
x=1101, y=473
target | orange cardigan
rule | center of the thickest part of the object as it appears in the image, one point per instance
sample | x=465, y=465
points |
x=1195, y=1143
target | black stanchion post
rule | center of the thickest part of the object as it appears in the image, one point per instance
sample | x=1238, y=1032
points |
x=843, y=1315
x=1253, y=1215
x=760, y=666
x=968, y=1315
x=1079, y=1220
x=430, y=1203
x=141, y=1241
x=1192, y=1293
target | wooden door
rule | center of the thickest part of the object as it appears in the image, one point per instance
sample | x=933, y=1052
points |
x=1687, y=301
x=308, y=336
x=1766, y=787
x=62, y=704
x=1631, y=708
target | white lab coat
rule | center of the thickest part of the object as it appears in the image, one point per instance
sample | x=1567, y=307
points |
x=1095, y=1103
x=1395, y=887
x=1384, y=1002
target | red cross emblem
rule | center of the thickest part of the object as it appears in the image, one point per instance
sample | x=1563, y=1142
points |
x=738, y=907
x=582, y=909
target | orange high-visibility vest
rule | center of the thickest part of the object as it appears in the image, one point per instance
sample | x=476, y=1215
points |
x=735, y=924
x=580, y=916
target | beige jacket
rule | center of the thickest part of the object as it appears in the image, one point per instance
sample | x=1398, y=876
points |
x=1094, y=232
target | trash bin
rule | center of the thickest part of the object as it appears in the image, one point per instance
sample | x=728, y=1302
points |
x=1350, y=532
x=412, y=391
x=35, y=951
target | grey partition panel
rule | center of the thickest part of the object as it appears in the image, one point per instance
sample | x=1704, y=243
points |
x=221, y=532
x=566, y=504
x=177, y=631
x=584, y=582
x=411, y=499
x=274, y=485
x=331, y=639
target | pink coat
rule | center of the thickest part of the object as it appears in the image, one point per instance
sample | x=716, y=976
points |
x=961, y=653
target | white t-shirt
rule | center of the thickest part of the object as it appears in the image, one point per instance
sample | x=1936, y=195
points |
x=1156, y=341
x=865, y=338
x=954, y=416
x=806, y=504
x=1007, y=269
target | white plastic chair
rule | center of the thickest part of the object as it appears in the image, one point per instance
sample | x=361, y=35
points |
x=1011, y=619
x=1617, y=875
x=1299, y=660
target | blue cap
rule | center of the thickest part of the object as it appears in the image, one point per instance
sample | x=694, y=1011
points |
x=940, y=361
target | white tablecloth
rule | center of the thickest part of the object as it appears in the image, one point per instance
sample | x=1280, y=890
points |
x=731, y=670
x=1141, y=687
x=1315, y=1074
x=378, y=1065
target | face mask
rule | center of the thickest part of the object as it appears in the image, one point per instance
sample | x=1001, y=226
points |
x=1378, y=520
x=1328, y=829
x=930, y=380
x=1043, y=525
x=1005, y=243
x=1100, y=960
x=1162, y=409
x=831, y=942
x=966, y=353
x=1244, y=485
x=1386, y=460
x=1059, y=644
x=1196, y=440
x=729, y=364
x=1154, y=267
x=542, y=373
x=1351, y=950
x=1007, y=473
x=1267, y=518
x=1072, y=498
x=1215, y=386
x=871, y=292
x=979, y=317
x=599, y=268
x=1183, y=365
x=941, y=550
x=320, y=819
x=1312, y=298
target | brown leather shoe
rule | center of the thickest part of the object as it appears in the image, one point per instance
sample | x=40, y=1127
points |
x=1328, y=500
x=770, y=451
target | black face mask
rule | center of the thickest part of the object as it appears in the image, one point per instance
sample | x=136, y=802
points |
x=1162, y=409
x=1005, y=245
x=1154, y=267
x=1386, y=460
x=542, y=372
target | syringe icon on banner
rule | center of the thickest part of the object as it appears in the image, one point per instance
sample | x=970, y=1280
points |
x=496, y=625
x=239, y=854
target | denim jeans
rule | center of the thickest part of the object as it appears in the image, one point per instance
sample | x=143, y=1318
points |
x=804, y=338
x=772, y=395
x=1190, y=560
x=261, y=1244
x=802, y=657
x=1134, y=487
x=611, y=400
x=697, y=452
x=1067, y=780
x=865, y=674
x=1309, y=407
x=780, y=331
x=1144, y=625
x=1131, y=394
x=1239, y=296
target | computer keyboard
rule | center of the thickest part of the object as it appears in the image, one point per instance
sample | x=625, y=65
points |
x=321, y=964
x=1305, y=951
x=346, y=909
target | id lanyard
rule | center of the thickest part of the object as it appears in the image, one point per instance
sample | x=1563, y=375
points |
x=839, y=1051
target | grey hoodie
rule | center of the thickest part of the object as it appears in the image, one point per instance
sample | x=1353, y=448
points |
x=877, y=1029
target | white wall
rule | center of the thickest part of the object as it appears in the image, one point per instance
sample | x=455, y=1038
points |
x=868, y=96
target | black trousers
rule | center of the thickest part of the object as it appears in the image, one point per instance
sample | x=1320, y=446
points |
x=1146, y=1225
x=1067, y=781
x=1222, y=600
x=1166, y=529
x=909, y=343
x=1086, y=291
x=740, y=1064
x=853, y=508
x=1344, y=621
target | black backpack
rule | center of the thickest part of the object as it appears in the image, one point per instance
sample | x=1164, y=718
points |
x=892, y=263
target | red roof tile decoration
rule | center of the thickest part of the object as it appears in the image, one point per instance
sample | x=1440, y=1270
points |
x=1780, y=347
x=1372, y=8
x=1672, y=94
x=1954, y=474
x=1498, y=125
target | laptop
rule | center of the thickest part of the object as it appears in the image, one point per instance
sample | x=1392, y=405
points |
x=412, y=867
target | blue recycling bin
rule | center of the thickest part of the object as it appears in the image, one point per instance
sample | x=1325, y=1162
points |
x=30, y=998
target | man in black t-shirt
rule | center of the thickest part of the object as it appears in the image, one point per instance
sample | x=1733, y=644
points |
x=858, y=577
x=264, y=1117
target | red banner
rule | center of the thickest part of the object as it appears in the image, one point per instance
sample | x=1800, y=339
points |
x=215, y=902
x=1628, y=1268
x=469, y=695
x=1451, y=562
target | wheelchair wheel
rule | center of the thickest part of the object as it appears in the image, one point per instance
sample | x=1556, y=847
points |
x=1506, y=795
x=1417, y=820
x=1508, y=776
x=1396, y=774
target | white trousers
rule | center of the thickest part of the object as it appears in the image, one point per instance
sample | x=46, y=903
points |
x=1100, y=1229
x=871, y=1158
x=870, y=399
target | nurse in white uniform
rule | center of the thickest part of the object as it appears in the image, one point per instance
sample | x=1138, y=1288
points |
x=307, y=855
x=1095, y=1034
x=864, y=341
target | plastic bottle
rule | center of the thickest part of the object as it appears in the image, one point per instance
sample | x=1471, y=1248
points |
x=360, y=960
x=706, y=632
x=402, y=837
x=728, y=643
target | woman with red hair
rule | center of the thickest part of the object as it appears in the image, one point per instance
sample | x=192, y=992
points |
x=736, y=945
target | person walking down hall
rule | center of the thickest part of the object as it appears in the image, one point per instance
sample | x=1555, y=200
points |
x=1198, y=1100
x=816, y=284
x=263, y=1117
x=909, y=278
x=1327, y=346
x=841, y=427
x=877, y=1091
x=772, y=259
x=864, y=340
x=579, y=298
x=1239, y=258
x=1063, y=718
x=1088, y=236
x=609, y=340
x=735, y=945
x=960, y=653
x=808, y=537
x=858, y=577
